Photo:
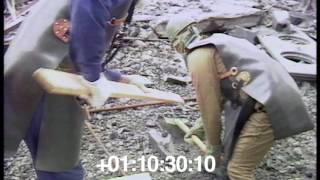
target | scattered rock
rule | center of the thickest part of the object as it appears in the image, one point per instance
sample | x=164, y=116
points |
x=280, y=20
x=309, y=174
x=163, y=145
x=114, y=123
x=151, y=123
x=177, y=80
x=124, y=133
x=114, y=135
x=244, y=33
x=139, y=44
x=123, y=130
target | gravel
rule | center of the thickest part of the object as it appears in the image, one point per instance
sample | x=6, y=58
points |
x=125, y=132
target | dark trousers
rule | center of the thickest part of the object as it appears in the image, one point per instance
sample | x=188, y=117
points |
x=32, y=139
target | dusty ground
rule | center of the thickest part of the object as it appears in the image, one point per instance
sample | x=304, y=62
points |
x=125, y=132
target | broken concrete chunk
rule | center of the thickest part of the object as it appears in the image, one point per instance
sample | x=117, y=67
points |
x=159, y=26
x=139, y=43
x=163, y=144
x=151, y=123
x=244, y=33
x=280, y=20
x=177, y=80
x=173, y=130
x=227, y=16
x=222, y=16
x=295, y=51
x=298, y=17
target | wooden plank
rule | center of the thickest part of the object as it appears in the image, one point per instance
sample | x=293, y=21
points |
x=58, y=82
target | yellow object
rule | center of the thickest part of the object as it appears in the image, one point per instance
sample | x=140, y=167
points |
x=186, y=129
x=254, y=142
x=244, y=76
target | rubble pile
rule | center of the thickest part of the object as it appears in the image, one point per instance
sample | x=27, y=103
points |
x=128, y=131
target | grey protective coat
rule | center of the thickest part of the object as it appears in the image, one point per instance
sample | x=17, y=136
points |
x=270, y=84
x=36, y=46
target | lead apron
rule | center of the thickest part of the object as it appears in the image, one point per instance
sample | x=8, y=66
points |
x=270, y=85
x=35, y=46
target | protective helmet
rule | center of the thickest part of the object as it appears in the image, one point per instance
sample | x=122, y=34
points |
x=177, y=24
x=181, y=32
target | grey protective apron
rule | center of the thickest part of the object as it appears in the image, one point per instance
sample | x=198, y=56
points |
x=36, y=46
x=270, y=85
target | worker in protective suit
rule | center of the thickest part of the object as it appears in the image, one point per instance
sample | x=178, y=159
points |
x=51, y=124
x=260, y=100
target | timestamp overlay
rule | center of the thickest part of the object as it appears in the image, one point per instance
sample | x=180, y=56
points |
x=153, y=163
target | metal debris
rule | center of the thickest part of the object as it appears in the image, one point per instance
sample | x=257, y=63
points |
x=177, y=80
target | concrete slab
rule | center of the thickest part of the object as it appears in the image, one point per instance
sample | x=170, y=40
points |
x=222, y=16
x=296, y=52
x=225, y=16
x=244, y=33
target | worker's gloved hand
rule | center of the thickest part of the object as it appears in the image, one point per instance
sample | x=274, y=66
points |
x=100, y=91
x=136, y=80
x=196, y=130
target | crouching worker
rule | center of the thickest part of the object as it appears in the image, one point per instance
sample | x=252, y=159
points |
x=260, y=100
x=51, y=124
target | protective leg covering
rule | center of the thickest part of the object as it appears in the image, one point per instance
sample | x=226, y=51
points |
x=255, y=140
x=32, y=140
